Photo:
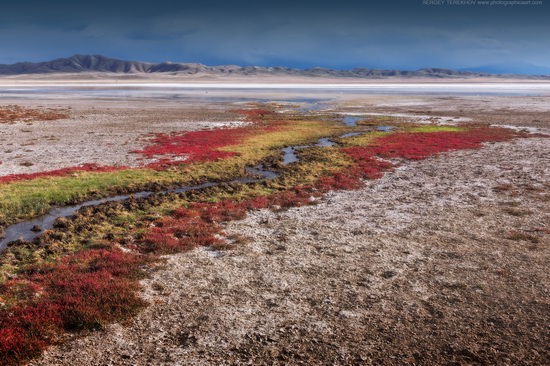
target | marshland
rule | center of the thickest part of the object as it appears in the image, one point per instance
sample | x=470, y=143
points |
x=326, y=224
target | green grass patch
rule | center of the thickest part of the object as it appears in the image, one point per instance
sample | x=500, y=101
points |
x=26, y=199
x=432, y=128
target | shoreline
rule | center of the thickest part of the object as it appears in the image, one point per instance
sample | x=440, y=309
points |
x=93, y=78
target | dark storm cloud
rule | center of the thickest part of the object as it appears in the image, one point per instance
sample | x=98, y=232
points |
x=153, y=35
x=343, y=34
x=62, y=25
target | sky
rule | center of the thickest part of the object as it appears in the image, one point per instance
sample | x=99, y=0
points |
x=341, y=34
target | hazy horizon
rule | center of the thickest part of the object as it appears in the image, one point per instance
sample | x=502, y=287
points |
x=510, y=36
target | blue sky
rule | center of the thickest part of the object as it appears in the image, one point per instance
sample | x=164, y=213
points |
x=343, y=34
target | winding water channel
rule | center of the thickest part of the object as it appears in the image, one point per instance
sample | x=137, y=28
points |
x=30, y=229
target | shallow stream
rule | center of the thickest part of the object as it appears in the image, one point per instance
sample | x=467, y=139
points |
x=30, y=229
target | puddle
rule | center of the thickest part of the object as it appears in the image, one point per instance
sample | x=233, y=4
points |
x=289, y=154
x=325, y=142
x=312, y=105
x=351, y=134
x=351, y=121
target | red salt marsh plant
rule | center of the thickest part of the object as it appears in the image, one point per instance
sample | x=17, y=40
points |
x=205, y=145
x=198, y=146
x=410, y=146
x=190, y=227
x=26, y=330
x=14, y=113
x=85, y=290
x=293, y=197
x=420, y=145
x=222, y=211
x=93, y=287
x=173, y=235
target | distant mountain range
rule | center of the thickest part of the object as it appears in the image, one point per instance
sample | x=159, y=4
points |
x=102, y=64
x=519, y=68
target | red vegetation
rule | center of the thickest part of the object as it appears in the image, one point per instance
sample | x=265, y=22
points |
x=226, y=210
x=173, y=235
x=26, y=330
x=416, y=146
x=189, y=227
x=93, y=287
x=294, y=197
x=201, y=146
x=14, y=113
x=60, y=172
x=406, y=145
x=365, y=166
x=83, y=291
x=198, y=146
x=198, y=224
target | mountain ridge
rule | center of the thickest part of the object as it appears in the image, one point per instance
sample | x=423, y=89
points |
x=518, y=68
x=98, y=63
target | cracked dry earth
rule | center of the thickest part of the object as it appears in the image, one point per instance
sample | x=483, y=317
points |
x=444, y=261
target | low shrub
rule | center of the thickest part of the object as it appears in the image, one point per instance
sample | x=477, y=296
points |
x=173, y=235
x=420, y=145
x=85, y=290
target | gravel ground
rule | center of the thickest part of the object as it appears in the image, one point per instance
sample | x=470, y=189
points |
x=444, y=261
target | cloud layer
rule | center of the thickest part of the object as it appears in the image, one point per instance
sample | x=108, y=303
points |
x=345, y=34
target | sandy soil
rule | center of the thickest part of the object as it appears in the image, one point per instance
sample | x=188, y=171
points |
x=420, y=266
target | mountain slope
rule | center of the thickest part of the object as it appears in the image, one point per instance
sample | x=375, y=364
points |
x=76, y=63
